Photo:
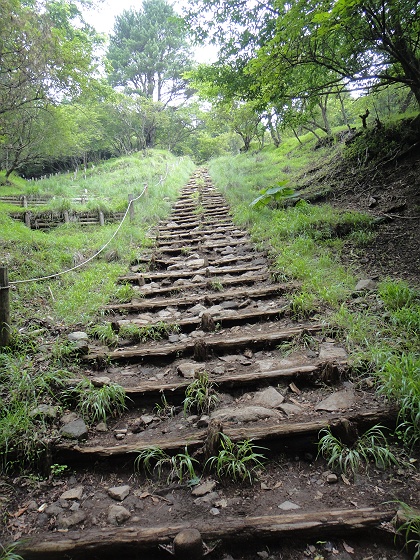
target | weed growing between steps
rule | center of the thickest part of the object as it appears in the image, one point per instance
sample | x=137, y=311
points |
x=370, y=447
x=237, y=461
x=308, y=242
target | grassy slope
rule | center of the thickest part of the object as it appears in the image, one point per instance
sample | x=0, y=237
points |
x=380, y=329
x=76, y=297
x=34, y=369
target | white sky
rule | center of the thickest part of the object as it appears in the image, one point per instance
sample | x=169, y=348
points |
x=103, y=18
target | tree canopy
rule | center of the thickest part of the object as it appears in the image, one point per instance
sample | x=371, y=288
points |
x=305, y=47
x=149, y=52
x=46, y=55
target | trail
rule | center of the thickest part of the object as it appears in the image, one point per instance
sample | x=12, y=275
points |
x=279, y=381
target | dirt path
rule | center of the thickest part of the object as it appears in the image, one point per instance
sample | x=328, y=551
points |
x=278, y=382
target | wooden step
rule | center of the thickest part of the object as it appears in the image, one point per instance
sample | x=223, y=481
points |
x=210, y=298
x=228, y=381
x=192, y=323
x=175, y=274
x=261, y=433
x=113, y=542
x=220, y=343
x=192, y=286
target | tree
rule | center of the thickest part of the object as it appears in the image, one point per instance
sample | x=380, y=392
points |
x=46, y=54
x=355, y=42
x=148, y=51
x=42, y=56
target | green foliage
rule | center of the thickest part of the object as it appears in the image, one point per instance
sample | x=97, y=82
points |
x=149, y=51
x=156, y=331
x=56, y=470
x=410, y=528
x=154, y=459
x=96, y=404
x=397, y=295
x=236, y=461
x=200, y=395
x=105, y=334
x=303, y=305
x=399, y=377
x=20, y=437
x=371, y=446
x=377, y=145
x=182, y=467
x=164, y=409
x=76, y=297
x=278, y=194
x=7, y=552
x=24, y=385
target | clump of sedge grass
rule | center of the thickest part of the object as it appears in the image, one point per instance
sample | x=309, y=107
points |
x=371, y=446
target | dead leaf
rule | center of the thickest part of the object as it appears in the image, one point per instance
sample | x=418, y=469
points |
x=345, y=480
x=145, y=494
x=20, y=511
x=293, y=388
x=348, y=548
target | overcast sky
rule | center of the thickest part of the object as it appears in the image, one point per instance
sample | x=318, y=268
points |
x=103, y=21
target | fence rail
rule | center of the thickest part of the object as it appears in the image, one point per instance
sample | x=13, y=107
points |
x=47, y=220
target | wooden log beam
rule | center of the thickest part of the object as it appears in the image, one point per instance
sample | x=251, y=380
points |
x=256, y=293
x=111, y=542
x=221, y=343
x=175, y=274
x=253, y=378
x=195, y=438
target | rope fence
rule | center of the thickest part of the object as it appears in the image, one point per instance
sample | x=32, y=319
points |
x=5, y=284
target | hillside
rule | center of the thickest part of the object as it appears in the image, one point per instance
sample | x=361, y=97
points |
x=390, y=193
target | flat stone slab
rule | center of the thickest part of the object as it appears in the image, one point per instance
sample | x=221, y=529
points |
x=119, y=493
x=289, y=408
x=288, y=506
x=269, y=398
x=72, y=494
x=205, y=488
x=245, y=414
x=66, y=521
x=76, y=429
x=77, y=336
x=189, y=369
x=365, y=284
x=338, y=401
x=331, y=352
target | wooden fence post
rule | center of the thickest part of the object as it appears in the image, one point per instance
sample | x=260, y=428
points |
x=131, y=212
x=27, y=217
x=4, y=308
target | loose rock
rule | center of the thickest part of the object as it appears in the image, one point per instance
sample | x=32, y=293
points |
x=118, y=514
x=119, y=492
